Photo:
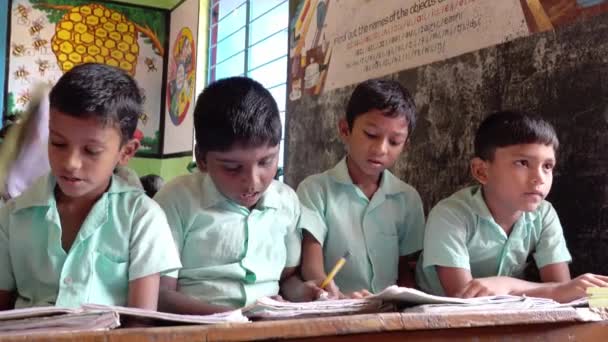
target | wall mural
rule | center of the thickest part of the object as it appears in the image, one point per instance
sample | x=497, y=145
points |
x=48, y=38
x=181, y=80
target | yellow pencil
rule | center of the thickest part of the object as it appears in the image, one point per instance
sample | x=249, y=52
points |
x=335, y=270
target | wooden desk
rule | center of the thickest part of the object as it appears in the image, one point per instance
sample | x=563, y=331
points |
x=510, y=326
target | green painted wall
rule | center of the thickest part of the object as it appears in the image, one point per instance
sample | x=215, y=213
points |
x=166, y=168
x=165, y=4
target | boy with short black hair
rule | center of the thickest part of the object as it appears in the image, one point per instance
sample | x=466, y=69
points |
x=81, y=234
x=359, y=206
x=235, y=227
x=478, y=240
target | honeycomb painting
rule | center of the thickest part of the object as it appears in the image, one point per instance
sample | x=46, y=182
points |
x=50, y=37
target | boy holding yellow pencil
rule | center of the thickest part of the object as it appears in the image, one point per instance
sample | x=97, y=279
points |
x=359, y=206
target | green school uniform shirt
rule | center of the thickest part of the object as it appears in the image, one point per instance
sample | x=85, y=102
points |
x=376, y=232
x=231, y=255
x=461, y=232
x=124, y=237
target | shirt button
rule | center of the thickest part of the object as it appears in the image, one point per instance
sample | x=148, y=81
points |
x=67, y=281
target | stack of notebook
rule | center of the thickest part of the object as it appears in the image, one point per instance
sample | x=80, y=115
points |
x=92, y=317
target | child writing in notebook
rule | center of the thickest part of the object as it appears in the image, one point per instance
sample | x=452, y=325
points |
x=359, y=206
x=478, y=240
x=234, y=226
x=80, y=234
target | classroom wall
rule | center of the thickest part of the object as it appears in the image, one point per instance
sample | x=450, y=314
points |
x=560, y=74
x=170, y=168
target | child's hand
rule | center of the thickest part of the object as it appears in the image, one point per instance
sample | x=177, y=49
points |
x=332, y=289
x=358, y=294
x=577, y=287
x=490, y=286
x=308, y=291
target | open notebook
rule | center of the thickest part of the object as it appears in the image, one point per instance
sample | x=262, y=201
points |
x=91, y=317
x=267, y=308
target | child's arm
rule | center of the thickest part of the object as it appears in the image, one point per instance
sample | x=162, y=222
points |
x=143, y=292
x=458, y=282
x=312, y=264
x=7, y=300
x=558, y=286
x=411, y=238
x=405, y=276
x=170, y=300
x=294, y=289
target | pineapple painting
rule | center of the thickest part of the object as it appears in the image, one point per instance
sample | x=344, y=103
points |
x=50, y=37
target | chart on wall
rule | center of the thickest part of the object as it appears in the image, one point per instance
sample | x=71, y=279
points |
x=50, y=37
x=181, y=82
x=333, y=43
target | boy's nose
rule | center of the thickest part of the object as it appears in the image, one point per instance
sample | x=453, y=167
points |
x=73, y=161
x=380, y=148
x=251, y=179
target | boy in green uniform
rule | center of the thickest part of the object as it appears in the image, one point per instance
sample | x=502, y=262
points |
x=478, y=240
x=359, y=206
x=234, y=225
x=81, y=234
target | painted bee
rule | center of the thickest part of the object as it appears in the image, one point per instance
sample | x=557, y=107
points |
x=23, y=14
x=39, y=43
x=150, y=64
x=21, y=73
x=43, y=66
x=24, y=98
x=36, y=27
x=18, y=50
x=143, y=117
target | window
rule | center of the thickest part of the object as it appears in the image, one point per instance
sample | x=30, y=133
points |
x=249, y=38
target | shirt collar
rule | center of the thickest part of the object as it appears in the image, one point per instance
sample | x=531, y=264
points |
x=211, y=196
x=480, y=208
x=42, y=192
x=389, y=184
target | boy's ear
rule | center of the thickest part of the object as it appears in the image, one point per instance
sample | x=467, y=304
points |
x=200, y=159
x=343, y=129
x=479, y=170
x=127, y=151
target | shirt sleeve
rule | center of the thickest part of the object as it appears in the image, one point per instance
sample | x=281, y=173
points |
x=151, y=246
x=7, y=277
x=411, y=233
x=445, y=239
x=551, y=246
x=313, y=207
x=170, y=207
x=293, y=238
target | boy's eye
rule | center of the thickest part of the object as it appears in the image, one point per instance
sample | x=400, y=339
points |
x=57, y=144
x=231, y=168
x=266, y=161
x=521, y=163
x=395, y=143
x=548, y=166
x=370, y=135
x=93, y=152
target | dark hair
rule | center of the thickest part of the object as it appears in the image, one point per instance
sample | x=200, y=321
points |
x=388, y=96
x=151, y=183
x=101, y=91
x=235, y=110
x=506, y=128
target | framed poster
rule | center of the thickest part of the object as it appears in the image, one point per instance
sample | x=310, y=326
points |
x=49, y=37
x=180, y=88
